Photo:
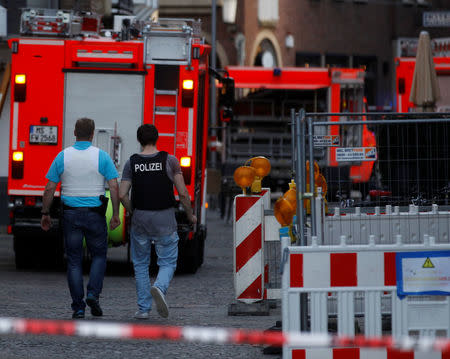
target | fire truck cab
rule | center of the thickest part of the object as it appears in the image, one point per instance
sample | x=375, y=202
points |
x=62, y=70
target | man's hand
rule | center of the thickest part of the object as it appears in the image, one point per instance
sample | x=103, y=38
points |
x=47, y=199
x=114, y=193
x=192, y=219
x=114, y=222
x=124, y=189
x=183, y=194
x=46, y=222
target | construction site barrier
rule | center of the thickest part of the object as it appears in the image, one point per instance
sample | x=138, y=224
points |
x=248, y=238
x=350, y=269
x=257, y=250
x=385, y=223
x=315, y=343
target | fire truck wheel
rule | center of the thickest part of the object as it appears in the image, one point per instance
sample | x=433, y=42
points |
x=49, y=251
x=201, y=247
x=23, y=255
x=188, y=256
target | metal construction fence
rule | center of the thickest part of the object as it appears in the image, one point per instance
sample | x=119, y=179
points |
x=369, y=186
x=381, y=186
x=383, y=178
x=374, y=164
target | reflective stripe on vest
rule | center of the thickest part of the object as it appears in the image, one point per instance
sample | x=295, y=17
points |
x=81, y=177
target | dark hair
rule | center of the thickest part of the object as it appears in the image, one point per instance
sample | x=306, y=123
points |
x=147, y=135
x=84, y=128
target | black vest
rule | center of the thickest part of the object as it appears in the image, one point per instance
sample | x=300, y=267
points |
x=151, y=189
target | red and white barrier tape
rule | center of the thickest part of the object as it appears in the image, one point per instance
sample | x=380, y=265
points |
x=210, y=335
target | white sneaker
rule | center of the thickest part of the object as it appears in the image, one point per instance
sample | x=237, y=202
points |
x=161, y=305
x=141, y=315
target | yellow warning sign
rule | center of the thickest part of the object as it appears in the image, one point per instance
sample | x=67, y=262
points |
x=428, y=264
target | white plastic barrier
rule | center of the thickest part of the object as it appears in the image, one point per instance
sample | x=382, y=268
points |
x=385, y=224
x=347, y=270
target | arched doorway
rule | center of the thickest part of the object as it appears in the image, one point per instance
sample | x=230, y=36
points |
x=266, y=55
x=266, y=51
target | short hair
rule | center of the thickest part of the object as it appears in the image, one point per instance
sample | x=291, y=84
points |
x=147, y=135
x=84, y=128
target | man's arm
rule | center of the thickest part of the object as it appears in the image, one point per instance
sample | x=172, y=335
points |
x=49, y=193
x=183, y=193
x=124, y=190
x=114, y=193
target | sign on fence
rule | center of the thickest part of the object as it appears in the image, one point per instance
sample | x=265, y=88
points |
x=423, y=273
x=326, y=140
x=345, y=154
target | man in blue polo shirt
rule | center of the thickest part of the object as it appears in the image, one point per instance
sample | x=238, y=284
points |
x=82, y=170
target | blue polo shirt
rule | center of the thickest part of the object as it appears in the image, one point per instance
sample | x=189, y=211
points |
x=105, y=166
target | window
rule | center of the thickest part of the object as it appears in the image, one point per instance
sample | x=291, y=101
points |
x=336, y=60
x=307, y=59
x=268, y=12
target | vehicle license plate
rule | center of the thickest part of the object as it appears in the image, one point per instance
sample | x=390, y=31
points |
x=47, y=135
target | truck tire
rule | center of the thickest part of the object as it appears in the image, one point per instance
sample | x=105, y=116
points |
x=188, y=256
x=23, y=255
x=201, y=246
x=50, y=250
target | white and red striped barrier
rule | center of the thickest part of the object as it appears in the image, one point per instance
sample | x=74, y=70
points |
x=344, y=267
x=364, y=353
x=324, y=344
x=248, y=236
x=348, y=271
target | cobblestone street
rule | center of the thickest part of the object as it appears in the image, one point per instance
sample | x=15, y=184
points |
x=200, y=299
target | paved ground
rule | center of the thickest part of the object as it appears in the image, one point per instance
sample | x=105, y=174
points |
x=200, y=299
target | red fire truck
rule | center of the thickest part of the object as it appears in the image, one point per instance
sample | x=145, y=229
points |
x=62, y=69
x=262, y=113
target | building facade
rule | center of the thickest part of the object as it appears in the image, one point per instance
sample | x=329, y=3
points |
x=340, y=33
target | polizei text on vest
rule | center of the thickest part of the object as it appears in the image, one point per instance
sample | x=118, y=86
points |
x=145, y=167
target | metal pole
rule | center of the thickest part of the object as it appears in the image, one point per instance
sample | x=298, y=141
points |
x=299, y=176
x=380, y=114
x=285, y=242
x=384, y=122
x=299, y=179
x=303, y=173
x=213, y=117
x=311, y=177
x=293, y=142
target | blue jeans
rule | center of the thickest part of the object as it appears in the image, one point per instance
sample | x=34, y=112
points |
x=78, y=224
x=167, y=253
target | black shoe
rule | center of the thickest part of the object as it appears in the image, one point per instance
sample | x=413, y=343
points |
x=93, y=303
x=78, y=314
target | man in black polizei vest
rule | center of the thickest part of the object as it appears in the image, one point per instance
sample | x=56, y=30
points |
x=151, y=176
